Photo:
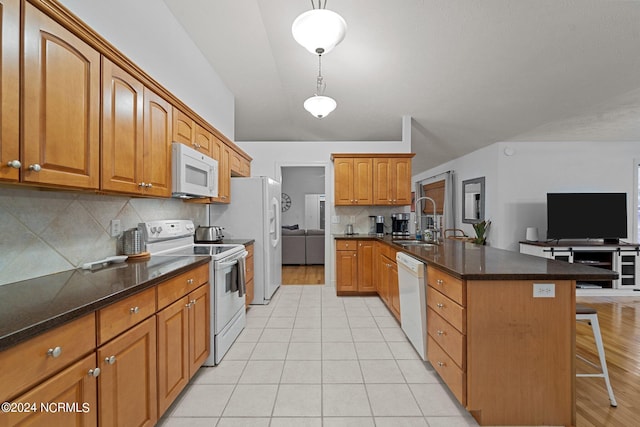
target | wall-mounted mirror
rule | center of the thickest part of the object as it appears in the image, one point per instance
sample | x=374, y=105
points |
x=473, y=200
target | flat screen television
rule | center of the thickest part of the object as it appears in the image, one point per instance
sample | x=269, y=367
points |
x=587, y=216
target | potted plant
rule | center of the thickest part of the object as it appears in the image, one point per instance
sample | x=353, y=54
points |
x=481, y=228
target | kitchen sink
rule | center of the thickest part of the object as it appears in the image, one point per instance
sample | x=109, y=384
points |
x=407, y=243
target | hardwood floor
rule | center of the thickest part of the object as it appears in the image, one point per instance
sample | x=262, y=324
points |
x=303, y=274
x=619, y=319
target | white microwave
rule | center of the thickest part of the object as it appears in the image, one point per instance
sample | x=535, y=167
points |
x=193, y=174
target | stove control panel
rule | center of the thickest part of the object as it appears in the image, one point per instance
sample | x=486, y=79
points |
x=155, y=231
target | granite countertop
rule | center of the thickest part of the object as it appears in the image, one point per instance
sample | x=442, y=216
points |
x=33, y=306
x=475, y=262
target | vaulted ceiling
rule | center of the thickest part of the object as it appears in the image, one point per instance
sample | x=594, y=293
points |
x=469, y=72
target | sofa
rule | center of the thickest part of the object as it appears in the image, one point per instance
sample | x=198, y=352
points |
x=302, y=247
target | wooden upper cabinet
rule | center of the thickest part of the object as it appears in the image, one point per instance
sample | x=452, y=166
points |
x=157, y=144
x=61, y=105
x=136, y=136
x=122, y=130
x=184, y=128
x=239, y=165
x=9, y=89
x=353, y=181
x=203, y=140
x=372, y=179
x=392, y=181
x=343, y=171
x=186, y=131
x=224, y=172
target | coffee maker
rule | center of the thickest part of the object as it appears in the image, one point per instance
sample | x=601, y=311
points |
x=380, y=225
x=400, y=224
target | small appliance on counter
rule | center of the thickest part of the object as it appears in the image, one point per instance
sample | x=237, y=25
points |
x=349, y=230
x=380, y=225
x=208, y=234
x=400, y=224
x=372, y=225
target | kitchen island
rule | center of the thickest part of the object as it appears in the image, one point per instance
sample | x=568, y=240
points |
x=505, y=349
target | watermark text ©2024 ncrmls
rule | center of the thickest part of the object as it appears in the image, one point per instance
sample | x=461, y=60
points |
x=46, y=407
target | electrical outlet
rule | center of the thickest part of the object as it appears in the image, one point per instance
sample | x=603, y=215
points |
x=116, y=228
x=352, y=219
x=544, y=290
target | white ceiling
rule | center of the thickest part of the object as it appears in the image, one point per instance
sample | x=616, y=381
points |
x=469, y=72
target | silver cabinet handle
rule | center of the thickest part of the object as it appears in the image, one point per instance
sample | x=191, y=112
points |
x=440, y=333
x=148, y=185
x=35, y=167
x=354, y=254
x=441, y=364
x=142, y=184
x=439, y=305
x=440, y=282
x=110, y=360
x=134, y=310
x=193, y=302
x=188, y=305
x=54, y=352
x=14, y=164
x=189, y=281
x=94, y=372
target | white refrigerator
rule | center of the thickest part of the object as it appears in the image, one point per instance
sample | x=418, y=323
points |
x=254, y=213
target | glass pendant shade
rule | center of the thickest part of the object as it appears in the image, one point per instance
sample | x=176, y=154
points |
x=319, y=30
x=320, y=106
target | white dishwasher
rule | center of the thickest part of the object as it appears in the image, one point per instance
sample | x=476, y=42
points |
x=413, y=301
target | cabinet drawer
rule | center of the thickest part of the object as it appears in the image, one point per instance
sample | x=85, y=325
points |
x=176, y=288
x=29, y=362
x=122, y=315
x=346, y=245
x=388, y=251
x=448, y=309
x=450, y=286
x=451, y=374
x=448, y=337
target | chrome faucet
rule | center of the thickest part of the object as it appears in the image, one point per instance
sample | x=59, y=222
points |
x=419, y=217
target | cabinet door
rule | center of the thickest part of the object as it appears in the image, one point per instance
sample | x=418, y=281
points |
x=346, y=271
x=366, y=272
x=203, y=140
x=9, y=89
x=401, y=181
x=122, y=130
x=173, y=348
x=382, y=270
x=76, y=386
x=157, y=145
x=343, y=172
x=184, y=129
x=394, y=290
x=224, y=174
x=382, y=194
x=199, y=327
x=127, y=383
x=61, y=144
x=363, y=181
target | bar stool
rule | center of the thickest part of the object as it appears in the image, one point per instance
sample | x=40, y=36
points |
x=590, y=315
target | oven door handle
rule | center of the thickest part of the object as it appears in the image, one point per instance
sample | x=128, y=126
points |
x=232, y=263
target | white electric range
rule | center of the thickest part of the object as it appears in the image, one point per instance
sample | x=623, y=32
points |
x=175, y=238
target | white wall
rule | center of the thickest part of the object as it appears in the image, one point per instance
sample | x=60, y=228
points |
x=148, y=34
x=517, y=184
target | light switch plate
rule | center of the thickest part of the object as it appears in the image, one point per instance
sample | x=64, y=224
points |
x=544, y=290
x=116, y=228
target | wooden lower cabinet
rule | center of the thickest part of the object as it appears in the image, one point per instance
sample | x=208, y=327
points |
x=183, y=343
x=75, y=387
x=355, y=272
x=249, y=266
x=127, y=388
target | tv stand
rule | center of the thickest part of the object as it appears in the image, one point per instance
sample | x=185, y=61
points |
x=623, y=258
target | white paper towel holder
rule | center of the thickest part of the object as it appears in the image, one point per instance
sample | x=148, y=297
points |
x=532, y=234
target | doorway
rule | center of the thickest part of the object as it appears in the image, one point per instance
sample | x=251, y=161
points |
x=303, y=224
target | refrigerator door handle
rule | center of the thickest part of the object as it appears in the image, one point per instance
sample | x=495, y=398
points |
x=275, y=222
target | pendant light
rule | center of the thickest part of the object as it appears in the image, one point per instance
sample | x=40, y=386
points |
x=319, y=30
x=319, y=105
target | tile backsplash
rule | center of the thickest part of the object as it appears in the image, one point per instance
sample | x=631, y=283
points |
x=44, y=232
x=361, y=217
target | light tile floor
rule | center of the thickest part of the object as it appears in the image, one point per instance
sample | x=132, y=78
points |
x=310, y=358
